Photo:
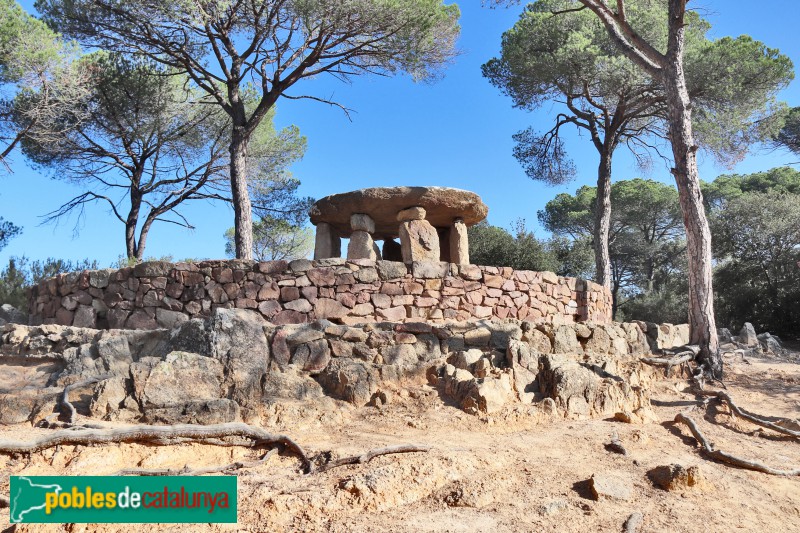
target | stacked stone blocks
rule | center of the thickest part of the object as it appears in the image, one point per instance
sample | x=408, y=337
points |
x=160, y=294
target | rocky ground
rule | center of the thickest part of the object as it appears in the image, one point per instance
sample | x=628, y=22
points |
x=518, y=469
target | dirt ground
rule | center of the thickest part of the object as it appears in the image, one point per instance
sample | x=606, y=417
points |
x=510, y=472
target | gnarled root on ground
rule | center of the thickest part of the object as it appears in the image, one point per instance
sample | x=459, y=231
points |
x=719, y=455
x=209, y=434
x=724, y=397
x=370, y=455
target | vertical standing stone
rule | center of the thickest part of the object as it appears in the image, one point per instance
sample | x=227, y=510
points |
x=327, y=243
x=361, y=245
x=419, y=241
x=459, y=243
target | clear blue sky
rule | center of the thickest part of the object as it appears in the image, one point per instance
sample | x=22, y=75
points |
x=455, y=133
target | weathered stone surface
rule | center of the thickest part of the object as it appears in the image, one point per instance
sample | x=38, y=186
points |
x=676, y=477
x=537, y=339
x=402, y=355
x=393, y=313
x=141, y=319
x=610, y=486
x=388, y=270
x=412, y=213
x=300, y=305
x=239, y=342
x=204, y=412
x=349, y=380
x=747, y=335
x=459, y=243
x=300, y=265
x=181, y=377
x=485, y=396
x=152, y=269
x=429, y=269
x=85, y=317
x=362, y=222
x=322, y=277
x=599, y=342
x=566, y=341
x=327, y=243
x=770, y=344
x=419, y=241
x=12, y=315
x=24, y=406
x=312, y=357
x=382, y=204
x=465, y=359
x=289, y=316
x=328, y=308
x=291, y=384
x=108, y=398
x=478, y=336
x=361, y=246
x=170, y=319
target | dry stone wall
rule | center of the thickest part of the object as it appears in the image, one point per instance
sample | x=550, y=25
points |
x=159, y=294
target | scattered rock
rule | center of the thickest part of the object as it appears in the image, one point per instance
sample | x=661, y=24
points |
x=11, y=315
x=676, y=477
x=610, y=486
x=747, y=335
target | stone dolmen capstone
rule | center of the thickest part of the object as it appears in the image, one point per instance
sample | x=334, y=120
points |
x=431, y=223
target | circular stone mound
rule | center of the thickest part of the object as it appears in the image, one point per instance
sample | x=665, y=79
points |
x=443, y=206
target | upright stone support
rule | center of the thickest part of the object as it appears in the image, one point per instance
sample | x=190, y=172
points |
x=419, y=241
x=459, y=243
x=361, y=244
x=327, y=243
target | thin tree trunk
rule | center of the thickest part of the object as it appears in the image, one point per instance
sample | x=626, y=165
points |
x=651, y=274
x=130, y=225
x=698, y=235
x=143, y=237
x=602, y=220
x=243, y=217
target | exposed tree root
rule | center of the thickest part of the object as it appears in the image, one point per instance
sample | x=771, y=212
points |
x=633, y=522
x=723, y=396
x=724, y=457
x=159, y=434
x=683, y=356
x=368, y=456
x=64, y=400
x=186, y=471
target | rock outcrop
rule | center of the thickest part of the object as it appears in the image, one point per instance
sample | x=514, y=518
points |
x=232, y=364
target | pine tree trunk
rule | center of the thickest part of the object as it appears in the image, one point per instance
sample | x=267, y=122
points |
x=131, y=222
x=698, y=235
x=242, y=210
x=143, y=236
x=602, y=221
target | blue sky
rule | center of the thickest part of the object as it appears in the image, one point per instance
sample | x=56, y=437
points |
x=454, y=133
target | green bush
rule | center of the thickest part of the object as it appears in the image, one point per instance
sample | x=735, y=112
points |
x=21, y=273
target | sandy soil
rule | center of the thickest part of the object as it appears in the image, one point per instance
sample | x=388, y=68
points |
x=509, y=472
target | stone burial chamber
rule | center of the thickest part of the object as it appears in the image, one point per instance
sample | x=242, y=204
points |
x=426, y=276
x=430, y=222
